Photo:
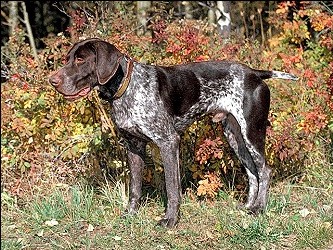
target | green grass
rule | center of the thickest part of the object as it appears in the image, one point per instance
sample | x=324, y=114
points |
x=297, y=217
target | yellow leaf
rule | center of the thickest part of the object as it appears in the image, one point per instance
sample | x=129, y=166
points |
x=203, y=182
x=193, y=168
x=201, y=191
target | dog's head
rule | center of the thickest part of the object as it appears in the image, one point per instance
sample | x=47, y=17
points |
x=89, y=63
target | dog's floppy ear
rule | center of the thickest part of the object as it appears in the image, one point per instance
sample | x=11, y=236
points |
x=107, y=60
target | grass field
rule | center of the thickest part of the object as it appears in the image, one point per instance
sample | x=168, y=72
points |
x=56, y=215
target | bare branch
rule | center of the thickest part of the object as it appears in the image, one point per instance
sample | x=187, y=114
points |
x=30, y=35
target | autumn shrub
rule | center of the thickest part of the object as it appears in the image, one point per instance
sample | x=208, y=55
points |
x=301, y=112
x=40, y=131
x=43, y=134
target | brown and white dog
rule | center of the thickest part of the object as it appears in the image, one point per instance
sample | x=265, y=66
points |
x=156, y=103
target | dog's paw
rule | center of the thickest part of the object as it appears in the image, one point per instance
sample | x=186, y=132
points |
x=257, y=209
x=130, y=211
x=127, y=214
x=168, y=222
x=253, y=210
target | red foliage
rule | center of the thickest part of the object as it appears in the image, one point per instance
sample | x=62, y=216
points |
x=289, y=61
x=314, y=121
x=187, y=43
x=159, y=31
x=78, y=24
x=310, y=77
x=209, y=149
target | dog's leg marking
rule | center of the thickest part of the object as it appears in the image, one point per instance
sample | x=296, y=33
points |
x=256, y=141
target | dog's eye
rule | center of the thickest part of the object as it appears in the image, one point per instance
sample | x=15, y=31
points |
x=79, y=60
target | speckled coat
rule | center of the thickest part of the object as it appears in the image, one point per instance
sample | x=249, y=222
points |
x=159, y=103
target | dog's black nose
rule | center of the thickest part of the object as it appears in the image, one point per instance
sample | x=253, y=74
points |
x=54, y=80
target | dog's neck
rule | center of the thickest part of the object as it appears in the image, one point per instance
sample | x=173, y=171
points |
x=118, y=84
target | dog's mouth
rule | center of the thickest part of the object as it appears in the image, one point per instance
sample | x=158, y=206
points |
x=82, y=93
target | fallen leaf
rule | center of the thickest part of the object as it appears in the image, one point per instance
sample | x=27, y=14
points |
x=158, y=218
x=51, y=223
x=326, y=208
x=90, y=228
x=243, y=213
x=209, y=235
x=245, y=225
x=304, y=212
x=327, y=225
x=117, y=238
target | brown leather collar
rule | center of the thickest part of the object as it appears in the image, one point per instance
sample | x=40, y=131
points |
x=124, y=84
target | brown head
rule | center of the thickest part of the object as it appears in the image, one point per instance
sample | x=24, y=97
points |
x=90, y=63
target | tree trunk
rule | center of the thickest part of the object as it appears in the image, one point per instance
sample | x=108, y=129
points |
x=211, y=16
x=13, y=16
x=223, y=18
x=142, y=10
x=30, y=35
x=188, y=9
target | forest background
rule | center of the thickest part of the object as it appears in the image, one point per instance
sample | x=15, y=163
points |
x=69, y=152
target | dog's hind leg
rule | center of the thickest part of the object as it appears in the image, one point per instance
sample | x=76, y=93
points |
x=264, y=173
x=232, y=131
x=257, y=151
x=256, y=115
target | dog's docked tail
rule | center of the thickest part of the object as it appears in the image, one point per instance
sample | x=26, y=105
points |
x=266, y=74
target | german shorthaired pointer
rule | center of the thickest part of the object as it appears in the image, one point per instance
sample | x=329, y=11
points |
x=155, y=103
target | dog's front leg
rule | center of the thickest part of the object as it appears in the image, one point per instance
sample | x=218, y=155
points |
x=170, y=157
x=136, y=165
x=136, y=150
